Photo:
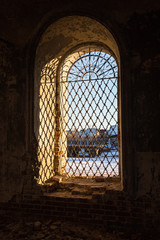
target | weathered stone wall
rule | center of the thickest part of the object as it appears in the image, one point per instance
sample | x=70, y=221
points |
x=136, y=29
x=143, y=34
x=12, y=124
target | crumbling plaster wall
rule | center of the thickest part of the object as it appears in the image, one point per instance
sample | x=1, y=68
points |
x=12, y=124
x=137, y=31
x=68, y=32
x=144, y=35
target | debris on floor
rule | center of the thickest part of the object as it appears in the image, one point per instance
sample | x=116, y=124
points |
x=56, y=230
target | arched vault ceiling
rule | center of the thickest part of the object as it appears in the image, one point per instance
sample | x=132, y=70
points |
x=68, y=32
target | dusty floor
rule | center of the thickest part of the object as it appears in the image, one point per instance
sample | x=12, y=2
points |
x=56, y=230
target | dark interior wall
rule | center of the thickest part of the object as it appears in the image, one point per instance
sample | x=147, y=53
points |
x=12, y=119
x=144, y=54
x=135, y=25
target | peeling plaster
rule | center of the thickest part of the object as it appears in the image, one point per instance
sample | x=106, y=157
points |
x=66, y=33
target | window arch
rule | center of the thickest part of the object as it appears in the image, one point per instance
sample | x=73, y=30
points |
x=76, y=113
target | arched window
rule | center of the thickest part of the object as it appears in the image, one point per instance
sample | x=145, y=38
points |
x=77, y=113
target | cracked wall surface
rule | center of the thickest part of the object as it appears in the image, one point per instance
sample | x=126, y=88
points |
x=135, y=28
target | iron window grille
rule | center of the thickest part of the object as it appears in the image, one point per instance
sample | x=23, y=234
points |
x=78, y=115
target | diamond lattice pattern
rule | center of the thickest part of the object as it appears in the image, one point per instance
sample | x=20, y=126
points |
x=87, y=96
x=89, y=113
x=46, y=124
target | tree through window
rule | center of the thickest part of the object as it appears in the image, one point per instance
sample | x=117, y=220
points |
x=78, y=130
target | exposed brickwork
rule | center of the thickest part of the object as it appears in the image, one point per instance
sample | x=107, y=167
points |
x=114, y=210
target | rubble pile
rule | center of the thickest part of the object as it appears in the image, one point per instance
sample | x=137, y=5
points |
x=56, y=230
